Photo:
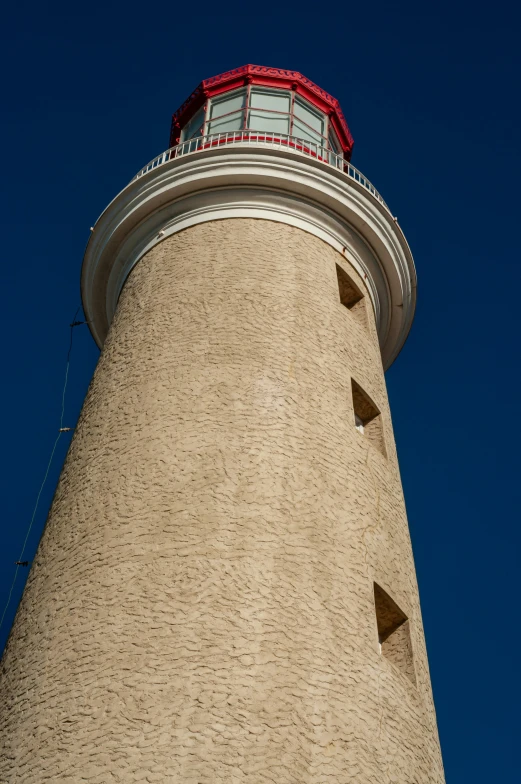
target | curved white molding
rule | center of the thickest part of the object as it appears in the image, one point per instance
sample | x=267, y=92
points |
x=248, y=181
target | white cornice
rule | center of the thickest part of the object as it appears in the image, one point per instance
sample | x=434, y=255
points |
x=249, y=181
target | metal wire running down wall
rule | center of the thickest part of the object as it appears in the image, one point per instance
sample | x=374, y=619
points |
x=61, y=430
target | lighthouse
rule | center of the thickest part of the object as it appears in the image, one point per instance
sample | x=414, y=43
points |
x=225, y=589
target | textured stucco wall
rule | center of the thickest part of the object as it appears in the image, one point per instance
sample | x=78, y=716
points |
x=201, y=608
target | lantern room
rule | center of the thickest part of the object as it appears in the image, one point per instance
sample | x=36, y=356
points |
x=254, y=103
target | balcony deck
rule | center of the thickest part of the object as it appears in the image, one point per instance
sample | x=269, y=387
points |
x=250, y=138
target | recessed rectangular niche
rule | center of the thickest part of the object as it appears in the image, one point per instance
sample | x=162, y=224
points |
x=394, y=636
x=368, y=420
x=350, y=295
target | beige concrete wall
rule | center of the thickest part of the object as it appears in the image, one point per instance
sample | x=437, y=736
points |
x=201, y=608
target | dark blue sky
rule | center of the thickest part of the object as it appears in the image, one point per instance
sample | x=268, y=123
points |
x=431, y=94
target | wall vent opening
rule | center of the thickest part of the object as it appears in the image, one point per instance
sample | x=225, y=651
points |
x=351, y=296
x=368, y=419
x=394, y=637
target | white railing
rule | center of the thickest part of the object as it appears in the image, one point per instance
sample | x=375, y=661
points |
x=258, y=138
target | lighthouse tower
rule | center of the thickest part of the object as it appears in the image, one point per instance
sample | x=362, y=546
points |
x=225, y=589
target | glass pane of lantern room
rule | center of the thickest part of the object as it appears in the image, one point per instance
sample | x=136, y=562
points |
x=231, y=122
x=311, y=117
x=274, y=100
x=334, y=145
x=268, y=122
x=302, y=131
x=229, y=102
x=194, y=127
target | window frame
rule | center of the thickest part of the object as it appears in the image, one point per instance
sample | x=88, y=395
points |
x=326, y=144
x=184, y=137
x=313, y=110
x=222, y=97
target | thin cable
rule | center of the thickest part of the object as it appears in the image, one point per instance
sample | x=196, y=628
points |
x=60, y=432
x=30, y=526
x=72, y=324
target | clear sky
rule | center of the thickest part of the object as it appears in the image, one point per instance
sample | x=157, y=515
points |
x=431, y=94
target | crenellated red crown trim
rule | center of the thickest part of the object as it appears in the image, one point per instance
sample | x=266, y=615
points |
x=271, y=77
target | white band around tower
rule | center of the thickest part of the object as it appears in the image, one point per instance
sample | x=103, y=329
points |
x=238, y=181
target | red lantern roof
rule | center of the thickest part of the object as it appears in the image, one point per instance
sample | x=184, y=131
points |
x=268, y=77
